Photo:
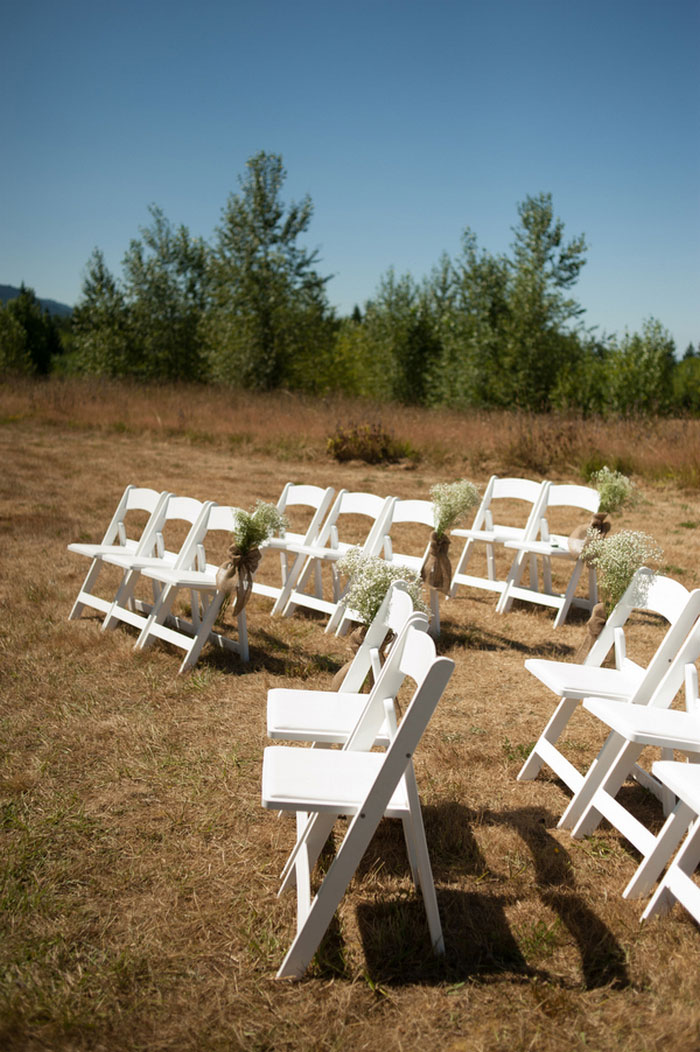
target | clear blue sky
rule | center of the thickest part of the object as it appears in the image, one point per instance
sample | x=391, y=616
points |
x=405, y=120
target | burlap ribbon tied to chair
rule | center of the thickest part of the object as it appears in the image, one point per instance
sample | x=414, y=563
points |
x=577, y=544
x=594, y=626
x=236, y=575
x=577, y=537
x=354, y=640
x=437, y=570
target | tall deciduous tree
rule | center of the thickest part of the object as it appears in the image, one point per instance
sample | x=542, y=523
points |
x=270, y=321
x=166, y=280
x=540, y=312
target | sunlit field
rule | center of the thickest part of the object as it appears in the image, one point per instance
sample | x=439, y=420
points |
x=139, y=869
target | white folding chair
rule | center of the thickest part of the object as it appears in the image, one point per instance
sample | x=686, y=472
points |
x=174, y=512
x=117, y=540
x=669, y=730
x=634, y=726
x=573, y=682
x=311, y=498
x=484, y=531
x=329, y=548
x=677, y=884
x=206, y=599
x=546, y=546
x=326, y=716
x=321, y=784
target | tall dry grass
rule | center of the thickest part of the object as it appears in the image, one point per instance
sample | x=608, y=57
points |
x=293, y=426
x=138, y=870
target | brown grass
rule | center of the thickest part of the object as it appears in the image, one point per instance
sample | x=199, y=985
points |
x=139, y=905
x=291, y=427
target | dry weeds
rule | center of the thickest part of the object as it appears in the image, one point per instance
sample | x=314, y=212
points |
x=139, y=881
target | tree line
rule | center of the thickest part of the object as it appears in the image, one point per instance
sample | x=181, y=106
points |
x=250, y=309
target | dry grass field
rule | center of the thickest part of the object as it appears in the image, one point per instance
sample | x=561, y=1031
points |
x=139, y=870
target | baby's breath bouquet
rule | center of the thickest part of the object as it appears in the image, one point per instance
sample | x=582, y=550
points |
x=615, y=489
x=451, y=502
x=617, y=557
x=254, y=528
x=370, y=578
x=251, y=529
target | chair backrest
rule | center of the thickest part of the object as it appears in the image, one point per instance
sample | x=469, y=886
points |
x=497, y=488
x=319, y=499
x=412, y=655
x=369, y=505
x=649, y=592
x=415, y=657
x=394, y=613
x=133, y=499
x=566, y=495
x=180, y=509
x=221, y=518
x=688, y=654
x=420, y=512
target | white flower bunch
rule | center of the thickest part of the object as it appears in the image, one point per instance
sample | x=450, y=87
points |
x=254, y=528
x=617, y=557
x=452, y=500
x=370, y=578
x=615, y=489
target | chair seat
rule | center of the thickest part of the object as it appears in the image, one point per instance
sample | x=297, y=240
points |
x=555, y=546
x=311, y=550
x=327, y=780
x=648, y=725
x=322, y=715
x=585, y=681
x=98, y=551
x=499, y=535
x=683, y=779
x=201, y=580
x=141, y=562
x=283, y=543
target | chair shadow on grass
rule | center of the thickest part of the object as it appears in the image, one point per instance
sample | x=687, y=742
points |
x=476, y=637
x=478, y=936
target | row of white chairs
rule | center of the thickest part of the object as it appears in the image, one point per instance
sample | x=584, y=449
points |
x=320, y=543
x=635, y=704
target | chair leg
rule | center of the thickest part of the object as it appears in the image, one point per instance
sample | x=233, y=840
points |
x=677, y=883
x=605, y=775
x=651, y=866
x=569, y=594
x=551, y=734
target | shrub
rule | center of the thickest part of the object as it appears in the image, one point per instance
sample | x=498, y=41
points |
x=368, y=442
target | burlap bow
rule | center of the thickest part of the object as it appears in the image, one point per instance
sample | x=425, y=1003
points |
x=437, y=571
x=577, y=537
x=237, y=575
x=354, y=640
x=594, y=626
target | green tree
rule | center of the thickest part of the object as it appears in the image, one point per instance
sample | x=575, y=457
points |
x=537, y=343
x=470, y=308
x=166, y=288
x=639, y=371
x=14, y=357
x=101, y=325
x=42, y=341
x=270, y=324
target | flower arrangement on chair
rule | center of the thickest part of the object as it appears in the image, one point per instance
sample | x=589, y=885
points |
x=616, y=492
x=370, y=579
x=616, y=558
x=251, y=531
x=451, y=501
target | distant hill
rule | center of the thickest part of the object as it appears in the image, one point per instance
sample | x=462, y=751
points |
x=62, y=310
